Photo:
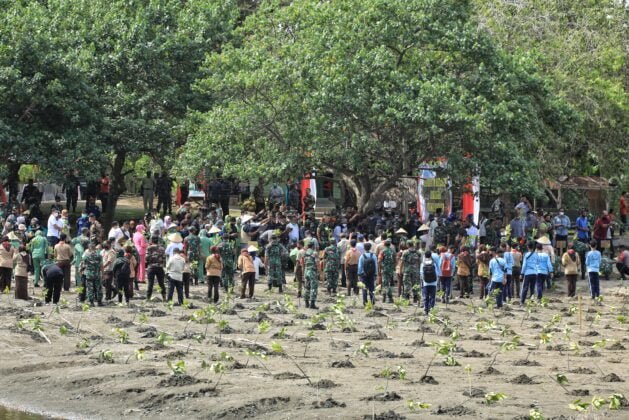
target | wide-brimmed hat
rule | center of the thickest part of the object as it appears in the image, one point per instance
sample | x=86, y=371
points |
x=214, y=229
x=21, y=227
x=246, y=218
x=543, y=240
x=423, y=228
x=252, y=248
x=175, y=237
x=401, y=231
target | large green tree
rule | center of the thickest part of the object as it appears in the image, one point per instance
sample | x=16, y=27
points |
x=370, y=89
x=581, y=46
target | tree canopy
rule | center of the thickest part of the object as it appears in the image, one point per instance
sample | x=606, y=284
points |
x=370, y=89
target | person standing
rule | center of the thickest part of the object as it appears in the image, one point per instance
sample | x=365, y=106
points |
x=599, y=232
x=622, y=204
x=544, y=269
x=71, y=188
x=411, y=261
x=483, y=257
x=20, y=260
x=572, y=264
x=103, y=191
x=516, y=270
x=213, y=270
x=226, y=248
x=55, y=226
x=275, y=253
x=148, y=192
x=63, y=258
x=38, y=247
x=464, y=272
x=529, y=272
x=53, y=281
x=367, y=270
x=331, y=259
x=122, y=275
x=428, y=274
x=498, y=271
x=77, y=251
x=174, y=268
x=311, y=276
x=622, y=262
x=593, y=265
x=109, y=256
x=387, y=262
x=140, y=245
x=276, y=195
x=561, y=222
x=507, y=290
x=248, y=273
x=91, y=267
x=352, y=257
x=155, y=261
x=447, y=267
x=258, y=196
x=192, y=248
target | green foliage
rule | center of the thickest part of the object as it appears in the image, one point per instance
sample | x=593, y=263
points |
x=178, y=368
x=417, y=405
x=494, y=397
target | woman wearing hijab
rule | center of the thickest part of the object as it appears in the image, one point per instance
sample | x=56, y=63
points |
x=572, y=265
x=6, y=264
x=140, y=245
x=21, y=273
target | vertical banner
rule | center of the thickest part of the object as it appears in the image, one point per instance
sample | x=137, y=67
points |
x=433, y=192
x=308, y=182
x=476, y=192
x=470, y=200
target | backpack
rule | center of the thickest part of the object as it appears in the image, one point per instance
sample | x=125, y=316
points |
x=369, y=266
x=446, y=266
x=430, y=273
x=123, y=267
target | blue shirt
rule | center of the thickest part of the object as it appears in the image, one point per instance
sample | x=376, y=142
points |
x=582, y=223
x=361, y=263
x=82, y=222
x=529, y=264
x=497, y=268
x=593, y=261
x=562, y=223
x=544, y=266
x=508, y=257
x=443, y=257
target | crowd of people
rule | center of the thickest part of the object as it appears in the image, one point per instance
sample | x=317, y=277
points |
x=362, y=253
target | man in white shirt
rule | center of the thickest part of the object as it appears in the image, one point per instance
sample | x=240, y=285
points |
x=115, y=233
x=55, y=226
x=293, y=235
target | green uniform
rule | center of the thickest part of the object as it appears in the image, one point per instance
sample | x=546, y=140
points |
x=193, y=245
x=388, y=271
x=91, y=263
x=205, y=244
x=411, y=260
x=38, y=247
x=323, y=234
x=226, y=251
x=332, y=259
x=311, y=276
x=274, y=253
x=78, y=256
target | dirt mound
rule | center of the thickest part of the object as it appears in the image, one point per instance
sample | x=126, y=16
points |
x=583, y=371
x=526, y=362
x=328, y=403
x=376, y=314
x=375, y=335
x=319, y=326
x=337, y=344
x=580, y=392
x=306, y=339
x=592, y=333
x=616, y=346
x=406, y=356
x=342, y=364
x=324, y=384
x=287, y=376
x=157, y=313
x=384, y=396
x=387, y=415
x=419, y=343
x=475, y=392
x=591, y=353
x=387, y=355
x=474, y=353
x=178, y=380
x=427, y=379
x=254, y=409
x=612, y=377
x=523, y=380
x=457, y=410
x=490, y=371
x=478, y=337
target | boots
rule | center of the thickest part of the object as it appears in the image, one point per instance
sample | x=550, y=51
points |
x=299, y=294
x=281, y=288
x=384, y=298
x=312, y=305
x=390, y=299
x=307, y=303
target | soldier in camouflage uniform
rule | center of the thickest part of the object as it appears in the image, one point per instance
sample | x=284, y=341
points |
x=192, y=245
x=155, y=261
x=311, y=276
x=273, y=256
x=226, y=250
x=411, y=261
x=440, y=235
x=91, y=264
x=332, y=261
x=387, y=260
x=323, y=233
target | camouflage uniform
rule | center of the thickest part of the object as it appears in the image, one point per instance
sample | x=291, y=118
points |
x=192, y=244
x=79, y=249
x=155, y=261
x=92, y=263
x=275, y=252
x=311, y=276
x=332, y=259
x=388, y=271
x=411, y=260
x=226, y=251
x=441, y=235
x=323, y=235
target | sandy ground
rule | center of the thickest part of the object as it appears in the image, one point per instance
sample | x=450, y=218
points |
x=330, y=363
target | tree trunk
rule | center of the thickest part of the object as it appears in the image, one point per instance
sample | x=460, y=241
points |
x=117, y=187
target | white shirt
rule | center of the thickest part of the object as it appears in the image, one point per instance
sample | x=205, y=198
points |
x=171, y=248
x=116, y=233
x=175, y=267
x=257, y=263
x=293, y=235
x=53, y=224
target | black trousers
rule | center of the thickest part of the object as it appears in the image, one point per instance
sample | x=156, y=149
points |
x=5, y=278
x=108, y=279
x=155, y=273
x=172, y=285
x=71, y=199
x=248, y=279
x=122, y=284
x=213, y=283
x=53, y=288
x=186, y=284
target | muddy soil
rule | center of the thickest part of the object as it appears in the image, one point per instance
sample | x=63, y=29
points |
x=273, y=358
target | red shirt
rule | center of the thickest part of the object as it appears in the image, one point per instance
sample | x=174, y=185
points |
x=600, y=228
x=623, y=206
x=104, y=185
